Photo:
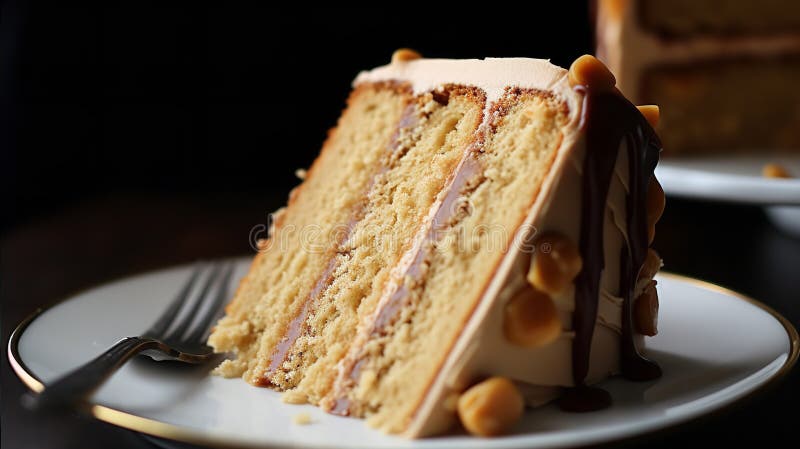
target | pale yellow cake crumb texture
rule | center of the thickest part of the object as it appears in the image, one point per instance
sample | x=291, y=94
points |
x=362, y=206
x=287, y=268
x=294, y=397
x=414, y=174
x=302, y=419
x=517, y=156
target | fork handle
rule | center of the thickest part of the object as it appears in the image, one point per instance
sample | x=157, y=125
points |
x=79, y=383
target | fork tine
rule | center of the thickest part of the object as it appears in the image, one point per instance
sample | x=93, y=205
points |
x=180, y=325
x=213, y=309
x=160, y=326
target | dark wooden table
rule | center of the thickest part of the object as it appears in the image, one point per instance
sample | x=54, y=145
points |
x=101, y=239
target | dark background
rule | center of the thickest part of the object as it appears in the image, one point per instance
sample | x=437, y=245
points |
x=145, y=135
x=149, y=100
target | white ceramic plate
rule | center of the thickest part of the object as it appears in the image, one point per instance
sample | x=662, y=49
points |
x=730, y=178
x=737, y=179
x=707, y=365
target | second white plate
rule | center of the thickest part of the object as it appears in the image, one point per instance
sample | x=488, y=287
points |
x=708, y=363
x=730, y=178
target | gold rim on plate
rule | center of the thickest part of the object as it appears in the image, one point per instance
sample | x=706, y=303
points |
x=172, y=432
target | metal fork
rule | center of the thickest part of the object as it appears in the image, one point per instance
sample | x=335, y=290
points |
x=174, y=336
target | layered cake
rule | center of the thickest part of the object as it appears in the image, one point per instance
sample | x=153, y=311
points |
x=473, y=238
x=723, y=71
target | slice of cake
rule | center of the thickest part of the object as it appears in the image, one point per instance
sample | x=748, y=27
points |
x=724, y=71
x=473, y=236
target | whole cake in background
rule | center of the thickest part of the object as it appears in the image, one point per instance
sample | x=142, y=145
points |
x=473, y=237
x=723, y=71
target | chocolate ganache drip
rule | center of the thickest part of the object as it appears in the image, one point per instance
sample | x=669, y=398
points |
x=609, y=120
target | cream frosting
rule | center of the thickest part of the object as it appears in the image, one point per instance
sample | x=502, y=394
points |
x=483, y=350
x=491, y=75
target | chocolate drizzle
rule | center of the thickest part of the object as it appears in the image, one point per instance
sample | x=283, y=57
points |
x=609, y=120
x=640, y=168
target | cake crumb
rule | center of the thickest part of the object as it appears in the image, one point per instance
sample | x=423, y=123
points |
x=775, y=171
x=302, y=419
x=301, y=174
x=229, y=369
x=294, y=397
